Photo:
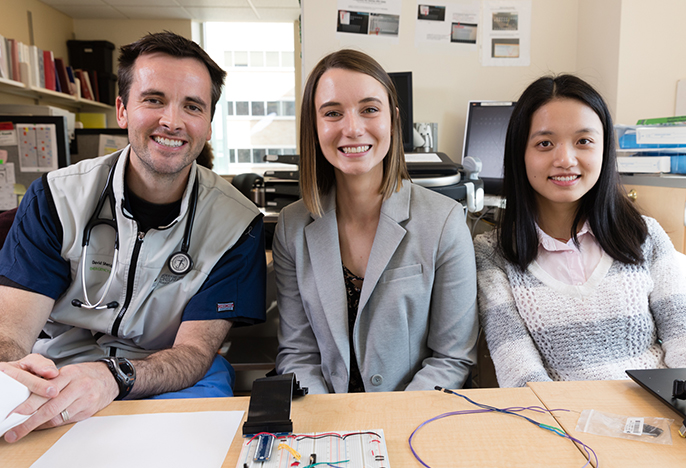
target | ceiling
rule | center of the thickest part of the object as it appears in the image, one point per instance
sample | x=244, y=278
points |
x=198, y=10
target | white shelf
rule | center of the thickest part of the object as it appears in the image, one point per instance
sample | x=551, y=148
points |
x=61, y=99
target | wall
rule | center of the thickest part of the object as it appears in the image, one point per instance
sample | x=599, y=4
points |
x=51, y=29
x=652, y=58
x=598, y=45
x=444, y=82
x=122, y=32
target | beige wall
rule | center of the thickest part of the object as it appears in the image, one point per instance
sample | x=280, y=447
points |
x=122, y=32
x=599, y=25
x=630, y=50
x=51, y=29
x=652, y=58
x=444, y=82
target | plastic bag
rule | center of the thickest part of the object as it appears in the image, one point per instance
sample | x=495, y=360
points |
x=651, y=430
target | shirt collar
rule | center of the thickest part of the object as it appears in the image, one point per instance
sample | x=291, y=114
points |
x=552, y=245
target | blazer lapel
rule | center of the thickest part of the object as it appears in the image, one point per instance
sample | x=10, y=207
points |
x=388, y=236
x=323, y=246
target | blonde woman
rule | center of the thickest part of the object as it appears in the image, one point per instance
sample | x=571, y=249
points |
x=375, y=275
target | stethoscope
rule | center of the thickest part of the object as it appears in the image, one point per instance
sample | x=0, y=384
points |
x=179, y=262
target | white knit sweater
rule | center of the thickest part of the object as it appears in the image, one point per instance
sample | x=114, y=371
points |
x=623, y=317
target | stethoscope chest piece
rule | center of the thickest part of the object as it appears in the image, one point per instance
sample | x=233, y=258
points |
x=180, y=263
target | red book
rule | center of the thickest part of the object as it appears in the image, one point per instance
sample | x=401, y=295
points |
x=14, y=59
x=93, y=75
x=82, y=83
x=62, y=75
x=49, y=67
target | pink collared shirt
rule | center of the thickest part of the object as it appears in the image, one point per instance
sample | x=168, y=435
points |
x=566, y=263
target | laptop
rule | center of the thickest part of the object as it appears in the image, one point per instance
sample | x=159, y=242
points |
x=660, y=382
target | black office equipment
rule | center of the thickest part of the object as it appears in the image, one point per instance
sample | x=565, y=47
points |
x=660, y=382
x=282, y=158
x=288, y=175
x=95, y=56
x=484, y=138
x=419, y=167
x=91, y=55
x=403, y=87
x=270, y=404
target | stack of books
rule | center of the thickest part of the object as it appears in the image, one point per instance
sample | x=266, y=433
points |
x=652, y=146
x=40, y=69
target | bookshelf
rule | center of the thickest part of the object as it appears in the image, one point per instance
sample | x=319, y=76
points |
x=55, y=97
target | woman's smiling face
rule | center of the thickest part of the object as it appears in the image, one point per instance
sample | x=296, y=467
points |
x=564, y=152
x=353, y=121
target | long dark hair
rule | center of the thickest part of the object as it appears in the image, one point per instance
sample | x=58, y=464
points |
x=317, y=175
x=615, y=222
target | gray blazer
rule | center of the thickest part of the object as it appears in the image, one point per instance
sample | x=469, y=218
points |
x=417, y=320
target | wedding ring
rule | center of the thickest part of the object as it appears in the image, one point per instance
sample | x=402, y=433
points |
x=65, y=415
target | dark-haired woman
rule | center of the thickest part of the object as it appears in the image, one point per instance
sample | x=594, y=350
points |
x=574, y=284
x=376, y=277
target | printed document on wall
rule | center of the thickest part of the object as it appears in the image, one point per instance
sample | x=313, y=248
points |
x=506, y=33
x=378, y=19
x=447, y=25
x=8, y=199
x=37, y=147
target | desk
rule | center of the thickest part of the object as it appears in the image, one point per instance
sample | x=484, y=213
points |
x=476, y=440
x=622, y=397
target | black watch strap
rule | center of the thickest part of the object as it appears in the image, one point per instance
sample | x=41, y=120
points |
x=124, y=374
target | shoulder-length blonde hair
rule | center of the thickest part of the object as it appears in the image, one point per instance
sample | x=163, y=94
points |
x=317, y=175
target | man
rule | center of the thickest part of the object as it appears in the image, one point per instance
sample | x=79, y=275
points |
x=81, y=326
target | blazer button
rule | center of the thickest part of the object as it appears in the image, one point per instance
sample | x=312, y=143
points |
x=377, y=379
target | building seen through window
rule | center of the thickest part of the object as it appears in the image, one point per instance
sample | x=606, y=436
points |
x=256, y=113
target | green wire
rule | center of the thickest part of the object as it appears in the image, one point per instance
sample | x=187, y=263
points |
x=554, y=429
x=326, y=463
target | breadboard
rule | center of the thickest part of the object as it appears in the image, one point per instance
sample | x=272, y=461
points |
x=362, y=449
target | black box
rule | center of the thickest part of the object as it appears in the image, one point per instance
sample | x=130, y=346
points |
x=106, y=88
x=91, y=55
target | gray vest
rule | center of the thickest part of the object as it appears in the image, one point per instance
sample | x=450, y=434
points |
x=146, y=321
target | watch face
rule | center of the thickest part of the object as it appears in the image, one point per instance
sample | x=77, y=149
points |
x=126, y=367
x=123, y=372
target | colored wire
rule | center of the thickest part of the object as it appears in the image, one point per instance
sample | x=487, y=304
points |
x=334, y=434
x=326, y=463
x=512, y=411
x=276, y=436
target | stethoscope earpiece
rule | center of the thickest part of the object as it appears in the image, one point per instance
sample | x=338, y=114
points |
x=109, y=305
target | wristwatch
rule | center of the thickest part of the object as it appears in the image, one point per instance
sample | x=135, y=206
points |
x=124, y=373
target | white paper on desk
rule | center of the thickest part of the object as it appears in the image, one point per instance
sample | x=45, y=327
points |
x=422, y=157
x=170, y=440
x=13, y=394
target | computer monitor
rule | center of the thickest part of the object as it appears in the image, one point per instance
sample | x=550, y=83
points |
x=484, y=138
x=403, y=87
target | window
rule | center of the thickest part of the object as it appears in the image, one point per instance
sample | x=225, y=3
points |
x=256, y=112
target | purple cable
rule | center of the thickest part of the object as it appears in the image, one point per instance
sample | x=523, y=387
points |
x=537, y=409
